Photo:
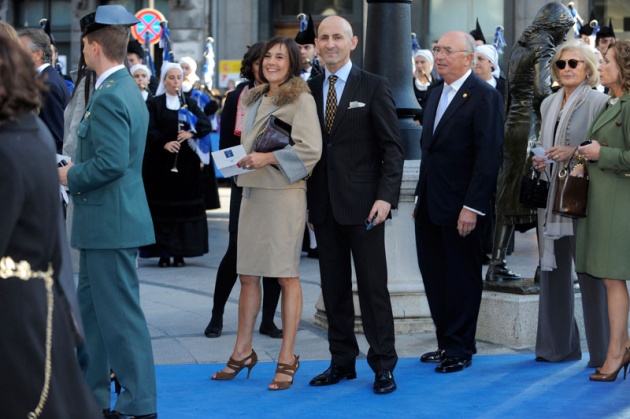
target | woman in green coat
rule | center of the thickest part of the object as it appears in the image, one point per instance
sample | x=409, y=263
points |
x=603, y=236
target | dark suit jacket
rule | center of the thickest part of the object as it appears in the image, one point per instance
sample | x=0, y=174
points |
x=362, y=157
x=53, y=103
x=464, y=154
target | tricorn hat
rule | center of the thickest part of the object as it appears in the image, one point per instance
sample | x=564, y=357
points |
x=108, y=15
x=134, y=47
x=588, y=28
x=45, y=25
x=477, y=33
x=306, y=35
x=606, y=31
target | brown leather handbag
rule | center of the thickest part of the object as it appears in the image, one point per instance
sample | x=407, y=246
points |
x=572, y=192
x=275, y=135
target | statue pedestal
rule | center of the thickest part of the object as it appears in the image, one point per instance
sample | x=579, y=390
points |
x=409, y=302
x=509, y=313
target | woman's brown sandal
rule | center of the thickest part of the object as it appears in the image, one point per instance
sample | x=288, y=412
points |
x=286, y=369
x=237, y=366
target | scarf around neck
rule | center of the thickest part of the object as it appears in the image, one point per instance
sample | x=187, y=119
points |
x=556, y=226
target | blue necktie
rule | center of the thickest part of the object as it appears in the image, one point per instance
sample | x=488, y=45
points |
x=442, y=105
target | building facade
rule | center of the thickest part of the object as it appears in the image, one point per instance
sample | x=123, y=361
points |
x=235, y=24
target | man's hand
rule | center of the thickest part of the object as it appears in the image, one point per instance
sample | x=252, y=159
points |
x=63, y=173
x=381, y=210
x=467, y=222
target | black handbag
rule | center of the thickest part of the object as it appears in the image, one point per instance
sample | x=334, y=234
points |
x=534, y=190
x=275, y=135
x=572, y=193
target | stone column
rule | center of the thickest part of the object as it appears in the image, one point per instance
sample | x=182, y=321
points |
x=388, y=53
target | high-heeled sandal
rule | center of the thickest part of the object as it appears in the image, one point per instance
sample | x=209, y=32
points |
x=625, y=361
x=286, y=369
x=237, y=366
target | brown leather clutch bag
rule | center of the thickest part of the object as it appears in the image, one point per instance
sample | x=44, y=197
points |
x=275, y=135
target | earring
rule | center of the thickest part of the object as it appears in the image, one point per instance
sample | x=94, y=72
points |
x=588, y=76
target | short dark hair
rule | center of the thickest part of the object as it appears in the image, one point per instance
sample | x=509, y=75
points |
x=113, y=39
x=251, y=56
x=39, y=41
x=19, y=86
x=295, y=58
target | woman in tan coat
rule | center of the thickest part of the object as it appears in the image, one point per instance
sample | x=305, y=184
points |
x=603, y=236
x=273, y=211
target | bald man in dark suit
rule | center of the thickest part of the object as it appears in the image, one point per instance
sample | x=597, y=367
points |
x=357, y=178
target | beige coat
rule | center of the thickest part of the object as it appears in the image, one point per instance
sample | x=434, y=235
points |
x=273, y=210
x=293, y=104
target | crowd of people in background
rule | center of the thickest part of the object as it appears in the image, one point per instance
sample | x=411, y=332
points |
x=138, y=182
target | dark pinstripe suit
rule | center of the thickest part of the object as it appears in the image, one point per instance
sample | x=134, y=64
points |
x=361, y=162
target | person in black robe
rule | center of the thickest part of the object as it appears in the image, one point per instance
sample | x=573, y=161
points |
x=39, y=319
x=173, y=174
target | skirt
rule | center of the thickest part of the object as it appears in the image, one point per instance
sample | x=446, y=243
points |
x=270, y=232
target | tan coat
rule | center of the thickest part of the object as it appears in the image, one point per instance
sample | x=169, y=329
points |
x=273, y=210
x=293, y=104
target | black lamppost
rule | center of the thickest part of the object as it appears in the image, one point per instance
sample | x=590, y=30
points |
x=388, y=53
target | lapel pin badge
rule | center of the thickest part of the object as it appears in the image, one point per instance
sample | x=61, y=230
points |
x=465, y=95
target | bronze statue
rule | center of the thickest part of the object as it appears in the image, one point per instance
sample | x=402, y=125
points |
x=528, y=83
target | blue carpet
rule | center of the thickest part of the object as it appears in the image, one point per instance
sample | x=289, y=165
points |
x=497, y=386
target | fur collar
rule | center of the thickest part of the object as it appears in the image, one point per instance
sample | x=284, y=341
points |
x=287, y=93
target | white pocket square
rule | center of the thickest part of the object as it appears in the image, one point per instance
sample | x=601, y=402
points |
x=356, y=105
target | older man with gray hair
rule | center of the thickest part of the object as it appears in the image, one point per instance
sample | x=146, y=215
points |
x=461, y=143
x=37, y=42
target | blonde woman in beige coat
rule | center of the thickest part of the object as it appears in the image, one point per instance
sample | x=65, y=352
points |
x=273, y=210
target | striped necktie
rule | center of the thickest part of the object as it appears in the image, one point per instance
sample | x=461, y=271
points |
x=331, y=103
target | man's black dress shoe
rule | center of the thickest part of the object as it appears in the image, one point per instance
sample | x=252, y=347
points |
x=434, y=357
x=453, y=364
x=178, y=262
x=164, y=262
x=333, y=375
x=271, y=331
x=384, y=382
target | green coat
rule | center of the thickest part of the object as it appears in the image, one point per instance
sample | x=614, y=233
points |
x=604, y=235
x=111, y=210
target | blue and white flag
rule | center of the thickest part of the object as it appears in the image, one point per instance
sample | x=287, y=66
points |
x=201, y=146
x=208, y=65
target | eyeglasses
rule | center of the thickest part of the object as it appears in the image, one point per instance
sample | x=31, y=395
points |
x=446, y=50
x=561, y=64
